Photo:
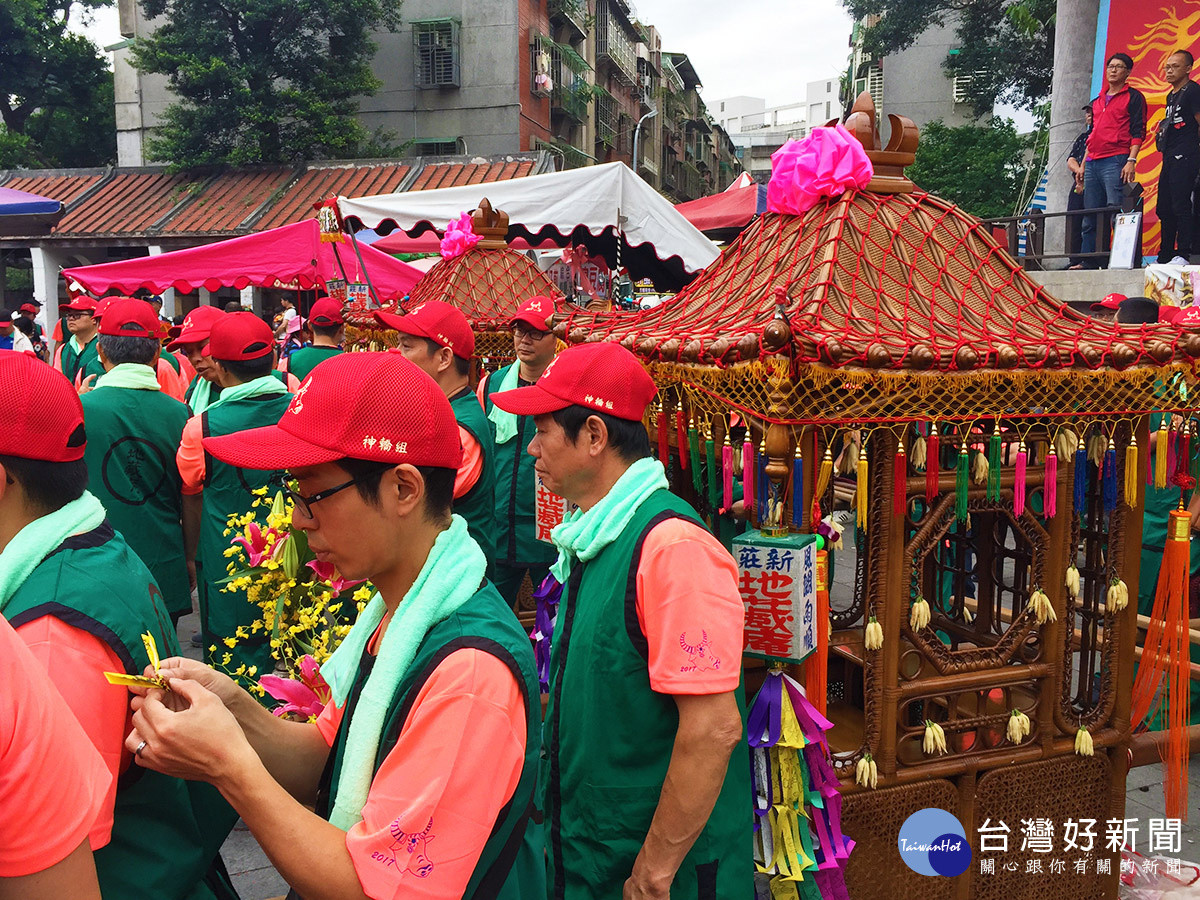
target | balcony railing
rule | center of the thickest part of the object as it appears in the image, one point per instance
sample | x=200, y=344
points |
x=613, y=44
x=570, y=12
x=571, y=157
x=606, y=119
x=570, y=98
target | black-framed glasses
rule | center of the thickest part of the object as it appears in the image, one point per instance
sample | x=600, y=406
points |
x=532, y=333
x=304, y=504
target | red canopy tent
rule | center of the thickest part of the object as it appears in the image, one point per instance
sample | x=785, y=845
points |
x=721, y=217
x=290, y=257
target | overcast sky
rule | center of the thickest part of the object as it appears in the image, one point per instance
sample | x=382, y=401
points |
x=759, y=48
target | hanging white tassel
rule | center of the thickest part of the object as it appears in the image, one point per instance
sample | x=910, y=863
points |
x=979, y=470
x=918, y=614
x=1066, y=443
x=1040, y=604
x=935, y=739
x=1018, y=726
x=1117, y=597
x=919, y=454
x=1083, y=742
x=866, y=773
x=1072, y=581
x=873, y=638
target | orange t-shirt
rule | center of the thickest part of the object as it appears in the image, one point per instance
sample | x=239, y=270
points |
x=472, y=463
x=690, y=610
x=168, y=380
x=433, y=802
x=75, y=661
x=53, y=783
x=190, y=458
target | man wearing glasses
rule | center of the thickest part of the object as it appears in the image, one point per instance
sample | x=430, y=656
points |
x=242, y=351
x=1119, y=127
x=517, y=548
x=1178, y=140
x=76, y=358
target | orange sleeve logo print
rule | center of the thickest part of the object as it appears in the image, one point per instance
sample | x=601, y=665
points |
x=414, y=845
x=699, y=656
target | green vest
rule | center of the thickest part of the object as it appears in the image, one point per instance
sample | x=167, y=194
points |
x=166, y=832
x=511, y=865
x=84, y=363
x=304, y=360
x=228, y=490
x=133, y=437
x=608, y=738
x=516, y=544
x=478, y=505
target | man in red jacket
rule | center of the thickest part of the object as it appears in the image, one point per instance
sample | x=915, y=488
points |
x=1119, y=127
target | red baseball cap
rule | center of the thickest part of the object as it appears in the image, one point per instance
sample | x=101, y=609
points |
x=82, y=303
x=341, y=414
x=442, y=323
x=29, y=307
x=601, y=376
x=1111, y=301
x=536, y=311
x=126, y=317
x=326, y=312
x=40, y=413
x=1185, y=317
x=240, y=336
x=6, y=325
x=197, y=326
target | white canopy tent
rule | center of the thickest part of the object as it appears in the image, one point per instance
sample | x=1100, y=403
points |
x=606, y=208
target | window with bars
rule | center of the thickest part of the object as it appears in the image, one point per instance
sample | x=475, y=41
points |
x=436, y=53
x=962, y=87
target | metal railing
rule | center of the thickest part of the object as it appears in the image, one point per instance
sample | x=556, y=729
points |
x=1024, y=236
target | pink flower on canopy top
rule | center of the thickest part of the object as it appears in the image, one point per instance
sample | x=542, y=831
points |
x=327, y=572
x=254, y=542
x=307, y=696
x=824, y=164
x=460, y=237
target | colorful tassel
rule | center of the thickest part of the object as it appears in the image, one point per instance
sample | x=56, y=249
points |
x=825, y=474
x=693, y=437
x=1019, y=480
x=816, y=667
x=797, y=488
x=1050, y=488
x=994, y=449
x=1080, y=475
x=1163, y=673
x=664, y=439
x=960, y=485
x=681, y=438
x=713, y=495
x=1172, y=443
x=1183, y=451
x=1131, y=473
x=860, y=493
x=1161, y=451
x=726, y=475
x=748, y=467
x=900, y=482
x=763, y=485
x=932, y=465
x=1110, y=477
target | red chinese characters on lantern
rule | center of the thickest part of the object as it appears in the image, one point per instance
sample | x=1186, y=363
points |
x=549, y=510
x=777, y=587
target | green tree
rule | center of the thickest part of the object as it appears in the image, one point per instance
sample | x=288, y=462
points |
x=979, y=168
x=56, y=90
x=263, y=81
x=1006, y=47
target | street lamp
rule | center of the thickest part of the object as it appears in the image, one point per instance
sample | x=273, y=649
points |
x=637, y=132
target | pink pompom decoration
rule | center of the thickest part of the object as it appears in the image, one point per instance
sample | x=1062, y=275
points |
x=460, y=237
x=824, y=164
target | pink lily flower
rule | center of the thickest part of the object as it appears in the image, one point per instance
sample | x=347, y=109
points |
x=306, y=696
x=254, y=542
x=327, y=572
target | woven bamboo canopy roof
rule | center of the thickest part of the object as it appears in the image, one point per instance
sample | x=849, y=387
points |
x=878, y=303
